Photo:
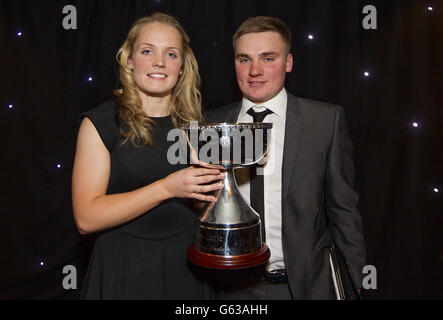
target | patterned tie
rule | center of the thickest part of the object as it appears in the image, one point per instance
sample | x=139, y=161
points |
x=257, y=183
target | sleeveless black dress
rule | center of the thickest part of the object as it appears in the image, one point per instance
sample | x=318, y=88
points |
x=146, y=257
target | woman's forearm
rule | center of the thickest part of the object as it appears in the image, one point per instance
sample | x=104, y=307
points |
x=106, y=211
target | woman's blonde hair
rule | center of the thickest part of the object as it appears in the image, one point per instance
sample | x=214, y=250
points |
x=185, y=99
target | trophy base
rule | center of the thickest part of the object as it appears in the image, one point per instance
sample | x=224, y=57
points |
x=243, y=261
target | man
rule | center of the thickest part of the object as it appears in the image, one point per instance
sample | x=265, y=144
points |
x=309, y=200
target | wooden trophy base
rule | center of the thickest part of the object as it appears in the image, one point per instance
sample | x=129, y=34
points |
x=213, y=261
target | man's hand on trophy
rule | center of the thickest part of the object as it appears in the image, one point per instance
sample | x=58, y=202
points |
x=193, y=182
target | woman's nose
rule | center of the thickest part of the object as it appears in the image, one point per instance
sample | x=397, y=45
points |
x=158, y=61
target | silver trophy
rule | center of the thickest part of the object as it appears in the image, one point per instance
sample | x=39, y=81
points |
x=228, y=233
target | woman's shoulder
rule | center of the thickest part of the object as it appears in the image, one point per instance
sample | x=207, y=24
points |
x=107, y=110
x=105, y=118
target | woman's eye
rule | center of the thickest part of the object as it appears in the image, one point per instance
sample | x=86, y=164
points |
x=146, y=51
x=172, y=55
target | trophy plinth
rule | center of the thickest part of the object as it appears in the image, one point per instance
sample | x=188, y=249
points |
x=228, y=233
x=248, y=260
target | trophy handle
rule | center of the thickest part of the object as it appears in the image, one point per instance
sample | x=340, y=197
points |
x=263, y=154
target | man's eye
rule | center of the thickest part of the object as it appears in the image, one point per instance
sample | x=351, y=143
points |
x=269, y=59
x=243, y=60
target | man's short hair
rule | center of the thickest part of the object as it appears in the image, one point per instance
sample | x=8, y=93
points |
x=263, y=24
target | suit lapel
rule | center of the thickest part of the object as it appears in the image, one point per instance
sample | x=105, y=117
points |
x=233, y=113
x=293, y=131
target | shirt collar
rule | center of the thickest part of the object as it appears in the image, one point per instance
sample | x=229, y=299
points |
x=277, y=104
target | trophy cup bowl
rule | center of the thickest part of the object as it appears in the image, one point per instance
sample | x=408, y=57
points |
x=228, y=232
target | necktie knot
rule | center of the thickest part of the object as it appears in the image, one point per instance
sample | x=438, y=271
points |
x=258, y=116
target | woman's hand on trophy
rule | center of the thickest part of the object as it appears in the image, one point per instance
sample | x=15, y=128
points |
x=209, y=165
x=193, y=182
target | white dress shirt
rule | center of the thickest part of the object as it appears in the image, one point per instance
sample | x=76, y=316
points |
x=272, y=179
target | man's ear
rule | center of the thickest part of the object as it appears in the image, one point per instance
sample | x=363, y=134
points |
x=289, y=63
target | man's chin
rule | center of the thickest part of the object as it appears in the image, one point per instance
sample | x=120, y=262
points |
x=257, y=99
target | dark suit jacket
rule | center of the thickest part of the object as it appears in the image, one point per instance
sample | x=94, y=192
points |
x=319, y=203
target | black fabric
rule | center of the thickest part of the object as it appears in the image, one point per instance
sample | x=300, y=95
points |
x=257, y=194
x=262, y=290
x=146, y=257
x=106, y=120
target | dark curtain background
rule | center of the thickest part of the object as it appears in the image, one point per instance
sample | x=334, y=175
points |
x=45, y=75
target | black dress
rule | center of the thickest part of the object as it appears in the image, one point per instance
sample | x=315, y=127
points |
x=146, y=257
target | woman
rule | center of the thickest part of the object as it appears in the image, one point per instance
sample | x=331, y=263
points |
x=122, y=182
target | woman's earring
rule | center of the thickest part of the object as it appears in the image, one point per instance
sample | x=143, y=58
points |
x=181, y=72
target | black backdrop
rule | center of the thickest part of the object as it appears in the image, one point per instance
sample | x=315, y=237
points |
x=45, y=88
